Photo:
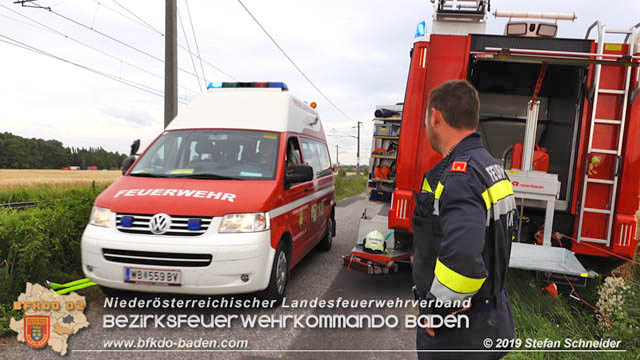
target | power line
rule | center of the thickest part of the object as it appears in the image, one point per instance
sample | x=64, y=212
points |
x=57, y=32
x=112, y=38
x=344, y=133
x=139, y=18
x=293, y=63
x=179, y=45
x=123, y=15
x=190, y=54
x=195, y=39
x=131, y=83
x=339, y=136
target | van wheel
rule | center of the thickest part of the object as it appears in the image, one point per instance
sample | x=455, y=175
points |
x=326, y=242
x=279, y=275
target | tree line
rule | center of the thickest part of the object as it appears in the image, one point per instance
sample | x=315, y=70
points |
x=17, y=152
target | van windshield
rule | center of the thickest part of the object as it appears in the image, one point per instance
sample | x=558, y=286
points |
x=211, y=154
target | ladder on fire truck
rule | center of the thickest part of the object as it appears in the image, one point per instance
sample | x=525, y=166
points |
x=619, y=123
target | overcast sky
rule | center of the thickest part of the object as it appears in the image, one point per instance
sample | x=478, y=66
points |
x=356, y=51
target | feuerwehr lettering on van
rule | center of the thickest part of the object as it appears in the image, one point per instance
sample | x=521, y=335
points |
x=203, y=194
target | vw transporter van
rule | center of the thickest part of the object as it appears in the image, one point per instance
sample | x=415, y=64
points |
x=233, y=194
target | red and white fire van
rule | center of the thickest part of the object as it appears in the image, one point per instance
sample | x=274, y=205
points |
x=236, y=191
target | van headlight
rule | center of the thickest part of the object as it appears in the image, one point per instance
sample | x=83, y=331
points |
x=100, y=216
x=238, y=223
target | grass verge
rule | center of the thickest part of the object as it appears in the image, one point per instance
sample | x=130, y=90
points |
x=347, y=186
x=539, y=316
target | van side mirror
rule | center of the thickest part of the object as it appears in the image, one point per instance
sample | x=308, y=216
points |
x=127, y=162
x=300, y=173
x=135, y=147
x=335, y=168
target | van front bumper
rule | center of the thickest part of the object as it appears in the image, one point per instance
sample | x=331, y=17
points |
x=232, y=256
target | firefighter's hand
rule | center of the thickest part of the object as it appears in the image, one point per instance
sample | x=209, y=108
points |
x=464, y=309
x=430, y=331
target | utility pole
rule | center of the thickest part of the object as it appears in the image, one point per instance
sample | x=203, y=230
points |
x=170, y=62
x=337, y=162
x=358, y=153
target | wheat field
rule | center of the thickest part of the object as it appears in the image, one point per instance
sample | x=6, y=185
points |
x=18, y=178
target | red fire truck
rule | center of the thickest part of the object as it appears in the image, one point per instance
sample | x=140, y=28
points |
x=561, y=114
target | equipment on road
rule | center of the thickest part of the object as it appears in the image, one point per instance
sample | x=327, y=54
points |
x=370, y=262
x=562, y=112
x=374, y=242
x=70, y=286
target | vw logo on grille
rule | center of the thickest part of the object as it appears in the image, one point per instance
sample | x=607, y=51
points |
x=160, y=223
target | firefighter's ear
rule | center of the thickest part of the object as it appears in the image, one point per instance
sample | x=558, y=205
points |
x=436, y=119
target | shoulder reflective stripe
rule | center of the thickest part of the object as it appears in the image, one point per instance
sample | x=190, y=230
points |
x=443, y=293
x=294, y=204
x=425, y=186
x=487, y=200
x=497, y=191
x=457, y=282
x=439, y=190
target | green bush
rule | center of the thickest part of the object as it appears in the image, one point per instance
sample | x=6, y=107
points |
x=42, y=243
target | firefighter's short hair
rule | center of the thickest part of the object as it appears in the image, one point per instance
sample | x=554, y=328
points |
x=459, y=103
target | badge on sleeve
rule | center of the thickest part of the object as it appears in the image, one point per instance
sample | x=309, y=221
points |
x=459, y=166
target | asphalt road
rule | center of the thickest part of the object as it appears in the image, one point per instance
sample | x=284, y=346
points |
x=319, y=275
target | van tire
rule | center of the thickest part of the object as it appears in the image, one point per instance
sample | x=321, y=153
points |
x=279, y=275
x=327, y=240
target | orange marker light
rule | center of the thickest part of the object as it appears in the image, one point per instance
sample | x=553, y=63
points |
x=313, y=105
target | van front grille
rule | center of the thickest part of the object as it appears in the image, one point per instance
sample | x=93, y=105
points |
x=139, y=224
x=157, y=258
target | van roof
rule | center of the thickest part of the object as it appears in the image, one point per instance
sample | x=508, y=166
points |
x=267, y=109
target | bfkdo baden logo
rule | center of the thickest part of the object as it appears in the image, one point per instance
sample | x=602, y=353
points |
x=36, y=330
x=49, y=318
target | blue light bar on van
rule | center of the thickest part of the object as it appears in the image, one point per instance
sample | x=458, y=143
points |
x=194, y=224
x=224, y=85
x=126, y=221
x=421, y=29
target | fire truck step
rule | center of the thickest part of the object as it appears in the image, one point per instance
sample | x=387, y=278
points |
x=600, y=181
x=594, y=240
x=605, y=151
x=611, y=91
x=599, y=211
x=619, y=31
x=605, y=121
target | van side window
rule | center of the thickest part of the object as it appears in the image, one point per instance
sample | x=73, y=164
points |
x=293, y=154
x=325, y=163
x=316, y=154
x=310, y=153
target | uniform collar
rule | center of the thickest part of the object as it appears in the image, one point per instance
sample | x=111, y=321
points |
x=471, y=141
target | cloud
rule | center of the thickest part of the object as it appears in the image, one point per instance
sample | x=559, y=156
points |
x=131, y=115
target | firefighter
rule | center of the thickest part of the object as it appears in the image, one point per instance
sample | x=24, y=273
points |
x=463, y=227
